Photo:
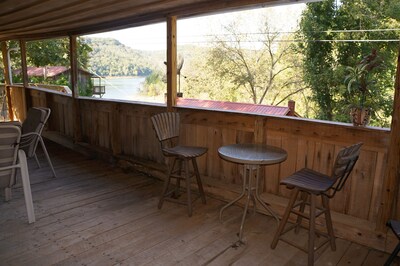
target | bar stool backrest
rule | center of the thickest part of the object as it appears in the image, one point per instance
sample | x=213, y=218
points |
x=167, y=127
x=345, y=161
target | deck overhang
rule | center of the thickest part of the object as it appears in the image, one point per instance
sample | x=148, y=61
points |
x=37, y=19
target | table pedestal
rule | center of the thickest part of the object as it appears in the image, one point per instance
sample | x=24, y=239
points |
x=251, y=192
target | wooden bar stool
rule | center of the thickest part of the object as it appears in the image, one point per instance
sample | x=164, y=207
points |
x=309, y=185
x=395, y=226
x=166, y=126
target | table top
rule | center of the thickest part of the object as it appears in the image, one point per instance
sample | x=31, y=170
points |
x=257, y=154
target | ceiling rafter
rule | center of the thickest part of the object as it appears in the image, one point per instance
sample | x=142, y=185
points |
x=39, y=19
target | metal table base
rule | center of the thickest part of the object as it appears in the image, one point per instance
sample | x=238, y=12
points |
x=251, y=192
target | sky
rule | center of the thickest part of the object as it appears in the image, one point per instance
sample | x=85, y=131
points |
x=198, y=30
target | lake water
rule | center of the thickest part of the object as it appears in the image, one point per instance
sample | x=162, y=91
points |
x=123, y=88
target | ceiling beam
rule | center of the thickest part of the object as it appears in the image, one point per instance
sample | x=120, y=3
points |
x=84, y=18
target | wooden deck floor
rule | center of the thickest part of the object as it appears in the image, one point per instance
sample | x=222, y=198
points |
x=95, y=214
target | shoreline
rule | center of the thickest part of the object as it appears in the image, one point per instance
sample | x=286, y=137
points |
x=123, y=77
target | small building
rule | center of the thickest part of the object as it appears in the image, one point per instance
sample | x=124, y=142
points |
x=55, y=72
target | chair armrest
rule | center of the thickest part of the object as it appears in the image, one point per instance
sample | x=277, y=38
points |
x=15, y=123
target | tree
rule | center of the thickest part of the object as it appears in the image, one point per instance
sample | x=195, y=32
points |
x=255, y=71
x=55, y=52
x=154, y=84
x=318, y=56
x=323, y=27
x=50, y=52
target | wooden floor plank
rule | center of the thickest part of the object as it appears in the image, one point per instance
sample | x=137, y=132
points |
x=355, y=255
x=96, y=214
x=375, y=257
x=62, y=227
x=330, y=257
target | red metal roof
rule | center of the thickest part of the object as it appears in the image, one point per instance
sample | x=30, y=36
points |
x=233, y=106
x=48, y=71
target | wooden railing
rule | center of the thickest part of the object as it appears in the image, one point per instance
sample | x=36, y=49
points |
x=123, y=130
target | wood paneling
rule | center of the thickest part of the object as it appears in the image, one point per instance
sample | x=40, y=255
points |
x=124, y=130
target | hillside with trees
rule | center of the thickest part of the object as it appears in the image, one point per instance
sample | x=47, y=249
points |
x=111, y=58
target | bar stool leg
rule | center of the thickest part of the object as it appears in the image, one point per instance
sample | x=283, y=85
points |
x=166, y=184
x=178, y=180
x=285, y=218
x=393, y=255
x=303, y=198
x=328, y=219
x=311, y=234
x=189, y=197
x=198, y=179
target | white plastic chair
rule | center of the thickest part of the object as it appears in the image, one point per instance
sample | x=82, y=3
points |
x=12, y=158
x=32, y=128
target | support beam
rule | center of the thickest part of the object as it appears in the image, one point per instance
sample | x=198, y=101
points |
x=171, y=63
x=392, y=175
x=24, y=66
x=7, y=79
x=74, y=65
x=74, y=87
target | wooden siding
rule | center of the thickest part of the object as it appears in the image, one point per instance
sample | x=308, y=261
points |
x=124, y=130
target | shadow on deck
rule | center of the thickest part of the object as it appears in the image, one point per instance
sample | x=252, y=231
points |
x=97, y=214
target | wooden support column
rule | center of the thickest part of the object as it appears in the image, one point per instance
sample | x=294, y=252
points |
x=74, y=87
x=116, y=129
x=7, y=79
x=24, y=66
x=392, y=170
x=259, y=130
x=260, y=137
x=171, y=63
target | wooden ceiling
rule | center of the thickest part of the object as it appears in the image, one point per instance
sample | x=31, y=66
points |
x=36, y=19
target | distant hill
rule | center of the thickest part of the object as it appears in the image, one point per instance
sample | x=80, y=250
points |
x=112, y=58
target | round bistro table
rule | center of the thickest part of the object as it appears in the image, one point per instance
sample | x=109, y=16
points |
x=252, y=157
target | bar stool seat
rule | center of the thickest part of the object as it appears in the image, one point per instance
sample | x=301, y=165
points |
x=310, y=184
x=310, y=180
x=185, y=151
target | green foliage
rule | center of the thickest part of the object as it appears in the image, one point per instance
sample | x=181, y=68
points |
x=236, y=71
x=109, y=57
x=55, y=52
x=85, y=88
x=50, y=52
x=318, y=60
x=325, y=61
x=154, y=84
x=360, y=80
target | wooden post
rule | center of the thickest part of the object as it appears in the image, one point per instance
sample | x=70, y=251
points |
x=171, y=63
x=115, y=130
x=24, y=66
x=391, y=177
x=74, y=87
x=260, y=138
x=7, y=79
x=259, y=130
